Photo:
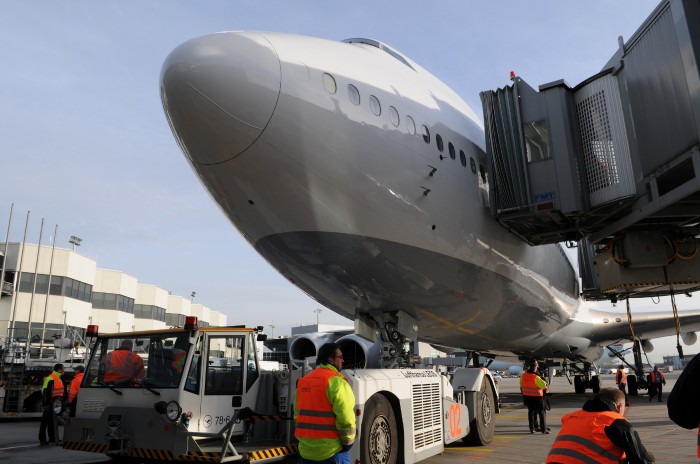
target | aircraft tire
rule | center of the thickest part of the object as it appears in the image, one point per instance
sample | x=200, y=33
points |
x=579, y=386
x=483, y=426
x=632, y=385
x=595, y=383
x=379, y=441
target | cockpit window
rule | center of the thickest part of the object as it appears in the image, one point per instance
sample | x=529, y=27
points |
x=374, y=105
x=353, y=94
x=329, y=83
x=381, y=46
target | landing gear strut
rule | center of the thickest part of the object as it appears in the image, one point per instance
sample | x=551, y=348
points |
x=399, y=334
x=583, y=379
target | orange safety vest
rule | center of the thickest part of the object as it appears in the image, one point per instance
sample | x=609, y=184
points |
x=653, y=377
x=179, y=360
x=582, y=439
x=122, y=365
x=621, y=376
x=315, y=416
x=528, y=385
x=75, y=386
x=58, y=388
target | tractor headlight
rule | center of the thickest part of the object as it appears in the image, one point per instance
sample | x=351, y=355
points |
x=173, y=411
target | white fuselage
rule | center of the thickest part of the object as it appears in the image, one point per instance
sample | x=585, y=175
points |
x=359, y=209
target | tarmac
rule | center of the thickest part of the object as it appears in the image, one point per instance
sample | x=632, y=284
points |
x=512, y=443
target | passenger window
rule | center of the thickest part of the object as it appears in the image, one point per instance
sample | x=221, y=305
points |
x=473, y=165
x=353, y=94
x=394, y=116
x=410, y=125
x=374, y=105
x=451, y=149
x=329, y=83
x=426, y=134
x=463, y=158
x=438, y=140
x=483, y=174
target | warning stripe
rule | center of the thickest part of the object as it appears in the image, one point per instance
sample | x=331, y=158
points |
x=192, y=456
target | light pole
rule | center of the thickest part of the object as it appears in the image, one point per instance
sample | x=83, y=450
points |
x=272, y=330
x=75, y=241
x=318, y=312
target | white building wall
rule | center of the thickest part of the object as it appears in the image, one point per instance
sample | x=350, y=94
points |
x=61, y=309
x=202, y=312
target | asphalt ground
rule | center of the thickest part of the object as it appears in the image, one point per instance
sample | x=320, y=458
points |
x=512, y=443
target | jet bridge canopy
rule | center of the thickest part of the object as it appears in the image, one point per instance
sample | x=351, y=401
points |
x=617, y=154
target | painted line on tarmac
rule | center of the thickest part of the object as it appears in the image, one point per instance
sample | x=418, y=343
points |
x=18, y=447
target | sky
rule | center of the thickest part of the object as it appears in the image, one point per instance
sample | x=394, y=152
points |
x=84, y=142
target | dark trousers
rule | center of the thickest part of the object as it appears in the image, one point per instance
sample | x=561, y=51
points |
x=48, y=424
x=623, y=388
x=655, y=389
x=535, y=410
x=341, y=457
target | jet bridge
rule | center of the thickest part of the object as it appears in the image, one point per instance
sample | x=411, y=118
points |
x=612, y=163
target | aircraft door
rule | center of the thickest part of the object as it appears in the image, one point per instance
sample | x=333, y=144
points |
x=193, y=383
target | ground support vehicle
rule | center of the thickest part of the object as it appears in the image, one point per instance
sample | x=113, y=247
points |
x=203, y=397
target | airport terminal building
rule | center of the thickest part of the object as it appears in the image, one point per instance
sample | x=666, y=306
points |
x=55, y=293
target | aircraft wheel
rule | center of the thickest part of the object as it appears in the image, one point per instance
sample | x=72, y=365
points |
x=379, y=441
x=483, y=426
x=595, y=383
x=632, y=385
x=579, y=386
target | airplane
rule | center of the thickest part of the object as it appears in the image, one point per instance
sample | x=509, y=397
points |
x=362, y=179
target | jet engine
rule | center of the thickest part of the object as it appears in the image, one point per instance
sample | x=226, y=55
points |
x=689, y=338
x=359, y=353
x=307, y=345
x=648, y=346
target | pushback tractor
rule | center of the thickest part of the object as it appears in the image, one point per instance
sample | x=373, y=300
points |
x=203, y=397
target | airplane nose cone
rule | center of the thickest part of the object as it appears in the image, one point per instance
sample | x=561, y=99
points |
x=219, y=92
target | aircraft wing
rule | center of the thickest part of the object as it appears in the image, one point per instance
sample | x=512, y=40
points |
x=646, y=325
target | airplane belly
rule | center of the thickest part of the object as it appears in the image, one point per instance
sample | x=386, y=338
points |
x=341, y=212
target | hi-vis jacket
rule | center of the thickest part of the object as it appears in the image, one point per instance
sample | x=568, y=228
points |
x=122, y=365
x=75, y=386
x=532, y=384
x=621, y=377
x=58, y=388
x=324, y=412
x=582, y=439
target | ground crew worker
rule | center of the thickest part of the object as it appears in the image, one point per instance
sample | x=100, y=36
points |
x=74, y=387
x=599, y=433
x=684, y=401
x=657, y=382
x=51, y=388
x=324, y=410
x=533, y=388
x=621, y=381
x=122, y=366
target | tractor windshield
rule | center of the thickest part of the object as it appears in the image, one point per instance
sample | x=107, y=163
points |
x=138, y=360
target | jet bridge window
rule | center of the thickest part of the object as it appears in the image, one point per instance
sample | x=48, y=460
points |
x=537, y=141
